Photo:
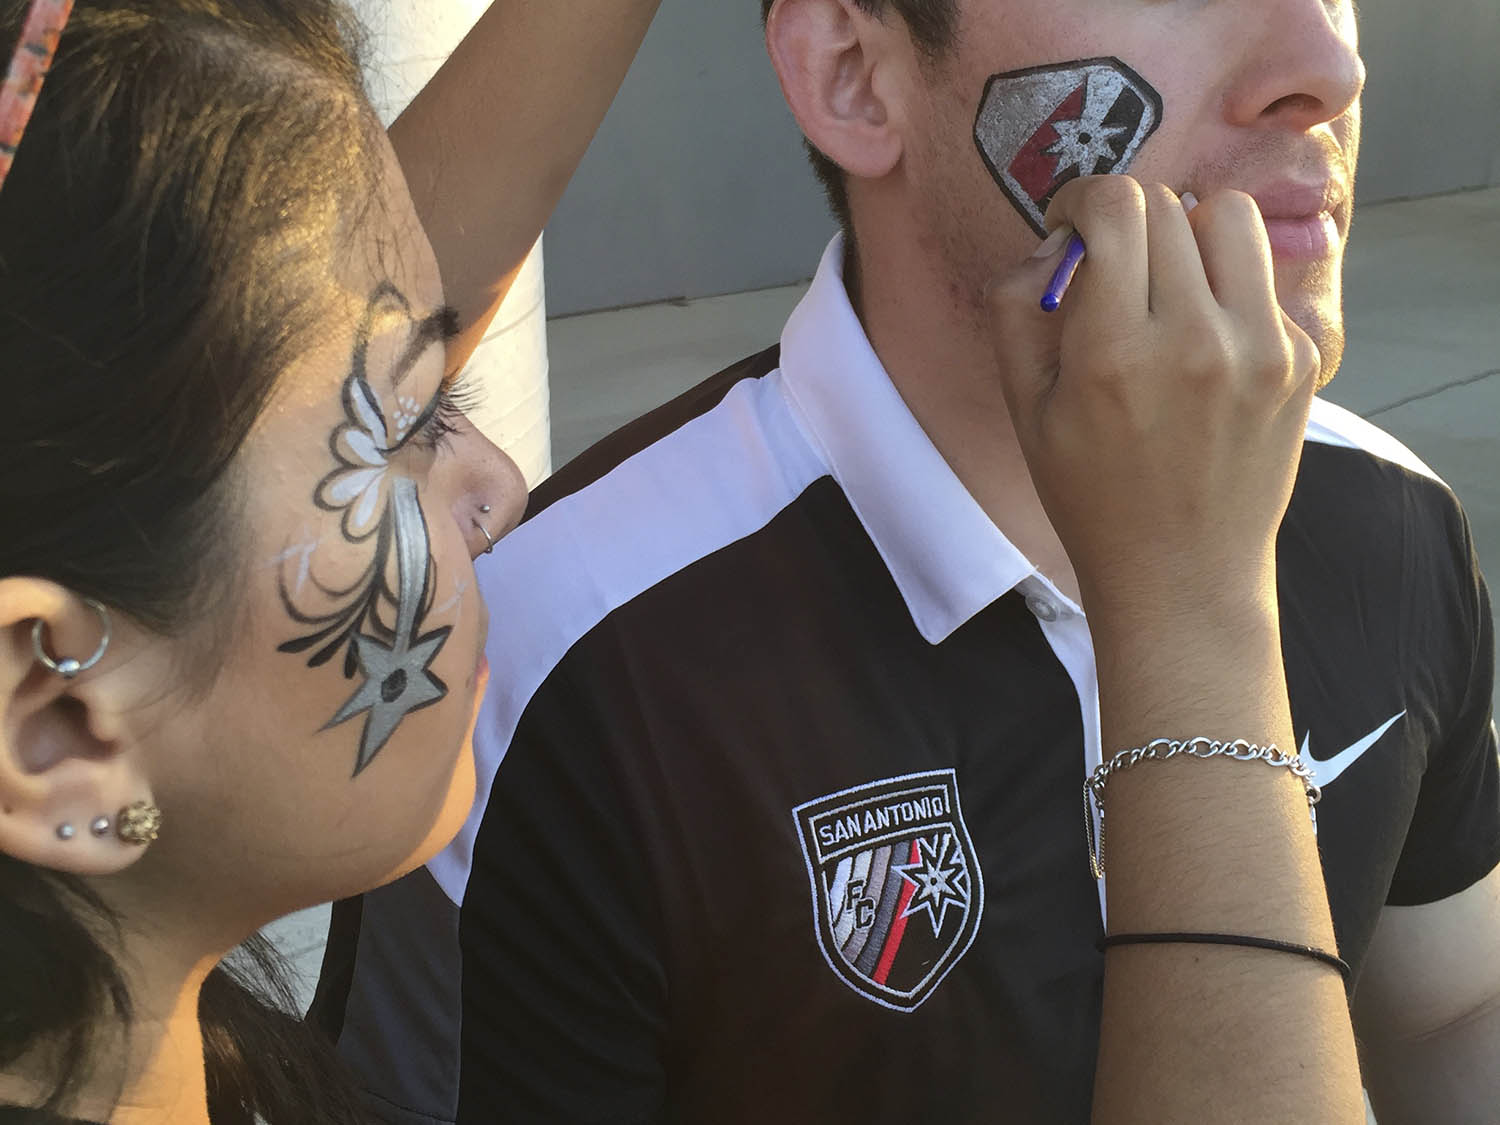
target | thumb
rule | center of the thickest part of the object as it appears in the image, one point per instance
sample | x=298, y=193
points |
x=1026, y=340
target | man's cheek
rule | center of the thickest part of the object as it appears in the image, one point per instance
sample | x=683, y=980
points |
x=1041, y=127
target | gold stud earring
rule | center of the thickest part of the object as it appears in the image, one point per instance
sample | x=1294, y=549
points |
x=138, y=824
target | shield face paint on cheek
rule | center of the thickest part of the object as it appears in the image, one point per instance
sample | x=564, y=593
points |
x=1041, y=127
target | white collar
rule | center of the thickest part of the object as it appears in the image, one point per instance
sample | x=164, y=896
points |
x=947, y=557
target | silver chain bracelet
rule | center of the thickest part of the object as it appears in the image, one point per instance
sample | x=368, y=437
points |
x=1164, y=749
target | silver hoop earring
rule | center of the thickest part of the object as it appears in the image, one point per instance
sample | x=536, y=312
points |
x=68, y=668
x=485, y=509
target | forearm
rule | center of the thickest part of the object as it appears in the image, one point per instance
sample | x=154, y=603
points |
x=490, y=143
x=1196, y=1033
x=1448, y=1077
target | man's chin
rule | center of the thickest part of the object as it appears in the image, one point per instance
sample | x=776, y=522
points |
x=1319, y=313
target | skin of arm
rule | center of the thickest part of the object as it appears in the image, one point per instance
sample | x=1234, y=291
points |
x=490, y=143
x=1427, y=1010
x=1172, y=328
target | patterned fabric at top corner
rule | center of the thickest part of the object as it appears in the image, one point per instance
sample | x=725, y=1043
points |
x=781, y=764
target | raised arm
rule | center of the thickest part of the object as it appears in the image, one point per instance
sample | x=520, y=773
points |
x=1162, y=415
x=490, y=143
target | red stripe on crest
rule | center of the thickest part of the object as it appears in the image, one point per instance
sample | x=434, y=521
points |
x=898, y=926
x=1032, y=168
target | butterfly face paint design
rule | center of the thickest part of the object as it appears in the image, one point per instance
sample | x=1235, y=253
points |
x=1041, y=127
x=377, y=623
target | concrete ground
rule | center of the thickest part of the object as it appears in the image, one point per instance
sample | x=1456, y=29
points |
x=1423, y=362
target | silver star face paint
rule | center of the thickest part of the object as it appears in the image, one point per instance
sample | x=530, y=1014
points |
x=1040, y=127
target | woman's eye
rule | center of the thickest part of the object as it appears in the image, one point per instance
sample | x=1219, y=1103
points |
x=447, y=417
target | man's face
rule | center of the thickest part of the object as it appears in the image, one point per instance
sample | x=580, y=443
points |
x=1257, y=95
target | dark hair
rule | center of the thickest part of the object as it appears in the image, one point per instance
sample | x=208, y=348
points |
x=167, y=238
x=933, y=25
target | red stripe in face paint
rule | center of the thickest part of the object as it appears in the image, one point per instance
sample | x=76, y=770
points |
x=1032, y=168
x=898, y=926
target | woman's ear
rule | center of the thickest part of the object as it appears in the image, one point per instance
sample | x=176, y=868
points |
x=839, y=68
x=68, y=767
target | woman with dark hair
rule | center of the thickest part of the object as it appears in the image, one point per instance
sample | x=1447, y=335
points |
x=240, y=646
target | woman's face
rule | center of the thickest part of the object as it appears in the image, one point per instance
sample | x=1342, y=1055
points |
x=332, y=752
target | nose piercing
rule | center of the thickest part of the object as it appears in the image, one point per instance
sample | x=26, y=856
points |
x=485, y=509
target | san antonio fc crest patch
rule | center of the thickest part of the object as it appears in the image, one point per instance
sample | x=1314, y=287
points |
x=897, y=892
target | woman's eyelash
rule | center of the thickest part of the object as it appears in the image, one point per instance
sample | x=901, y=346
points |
x=455, y=400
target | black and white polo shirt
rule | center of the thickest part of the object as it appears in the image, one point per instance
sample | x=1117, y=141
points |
x=781, y=769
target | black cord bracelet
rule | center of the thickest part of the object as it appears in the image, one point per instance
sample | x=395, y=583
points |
x=1323, y=956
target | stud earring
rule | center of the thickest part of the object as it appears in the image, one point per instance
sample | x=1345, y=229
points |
x=139, y=824
x=100, y=827
x=68, y=668
x=66, y=831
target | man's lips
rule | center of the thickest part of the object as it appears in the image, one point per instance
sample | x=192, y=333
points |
x=1302, y=218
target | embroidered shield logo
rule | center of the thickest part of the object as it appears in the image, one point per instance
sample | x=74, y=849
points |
x=897, y=892
x=1041, y=127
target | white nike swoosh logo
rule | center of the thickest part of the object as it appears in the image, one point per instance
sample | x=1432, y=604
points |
x=1327, y=771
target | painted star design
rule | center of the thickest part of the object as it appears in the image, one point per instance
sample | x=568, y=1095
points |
x=1084, y=143
x=397, y=682
x=940, y=876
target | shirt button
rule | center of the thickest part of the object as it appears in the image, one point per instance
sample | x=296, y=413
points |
x=1045, y=609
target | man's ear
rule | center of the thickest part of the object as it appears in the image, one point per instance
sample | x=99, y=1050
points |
x=67, y=765
x=840, y=73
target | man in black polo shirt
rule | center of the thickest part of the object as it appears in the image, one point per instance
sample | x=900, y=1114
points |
x=793, y=696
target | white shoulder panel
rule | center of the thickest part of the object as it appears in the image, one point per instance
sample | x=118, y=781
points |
x=710, y=483
x=1333, y=425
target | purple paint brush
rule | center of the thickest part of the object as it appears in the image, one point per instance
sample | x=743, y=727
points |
x=1063, y=276
x=1072, y=258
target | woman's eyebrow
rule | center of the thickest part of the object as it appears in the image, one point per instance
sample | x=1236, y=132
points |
x=439, y=327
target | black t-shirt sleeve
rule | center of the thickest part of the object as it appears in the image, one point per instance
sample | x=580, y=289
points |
x=564, y=993
x=1454, y=838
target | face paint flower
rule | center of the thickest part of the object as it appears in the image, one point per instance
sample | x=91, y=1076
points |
x=361, y=447
x=377, y=623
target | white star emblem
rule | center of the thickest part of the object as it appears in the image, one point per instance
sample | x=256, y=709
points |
x=1086, y=142
x=940, y=876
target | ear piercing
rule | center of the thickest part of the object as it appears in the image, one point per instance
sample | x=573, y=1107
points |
x=68, y=668
x=138, y=824
x=485, y=509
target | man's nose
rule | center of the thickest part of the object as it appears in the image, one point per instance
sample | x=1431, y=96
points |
x=1302, y=69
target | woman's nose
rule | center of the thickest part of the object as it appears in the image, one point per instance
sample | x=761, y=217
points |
x=486, y=490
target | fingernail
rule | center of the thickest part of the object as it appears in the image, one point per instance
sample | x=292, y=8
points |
x=1053, y=242
x=1189, y=201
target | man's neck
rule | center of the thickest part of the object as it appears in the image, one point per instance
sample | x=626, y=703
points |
x=932, y=341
